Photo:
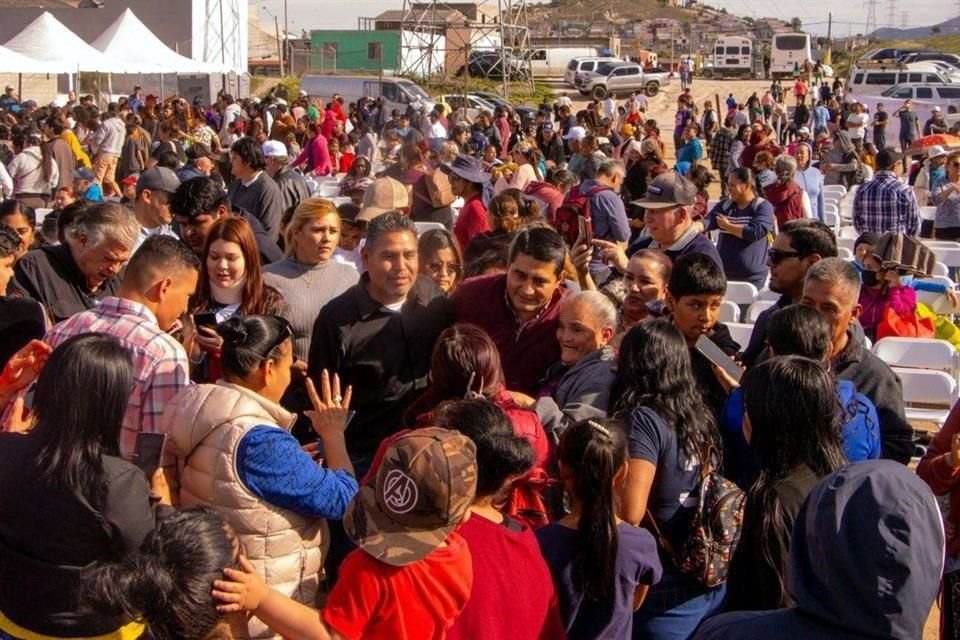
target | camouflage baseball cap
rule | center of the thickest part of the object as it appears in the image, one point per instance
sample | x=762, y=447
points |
x=424, y=487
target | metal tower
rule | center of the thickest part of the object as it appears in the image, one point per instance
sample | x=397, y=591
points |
x=871, y=25
x=438, y=38
x=892, y=13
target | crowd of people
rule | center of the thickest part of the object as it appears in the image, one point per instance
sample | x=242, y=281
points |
x=484, y=391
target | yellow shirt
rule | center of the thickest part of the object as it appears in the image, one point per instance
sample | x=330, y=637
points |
x=83, y=160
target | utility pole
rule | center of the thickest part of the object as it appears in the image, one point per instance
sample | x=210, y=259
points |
x=828, y=59
x=892, y=13
x=286, y=30
x=276, y=24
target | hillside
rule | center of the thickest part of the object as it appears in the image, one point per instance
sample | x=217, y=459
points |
x=950, y=27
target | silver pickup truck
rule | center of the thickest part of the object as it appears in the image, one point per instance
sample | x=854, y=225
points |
x=621, y=78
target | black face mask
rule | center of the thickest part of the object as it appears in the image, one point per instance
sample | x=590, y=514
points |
x=869, y=278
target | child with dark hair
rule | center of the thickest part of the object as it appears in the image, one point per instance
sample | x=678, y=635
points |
x=168, y=583
x=694, y=296
x=602, y=565
x=514, y=577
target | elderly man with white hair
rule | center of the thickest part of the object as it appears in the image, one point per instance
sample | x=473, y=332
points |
x=582, y=379
x=77, y=275
x=293, y=186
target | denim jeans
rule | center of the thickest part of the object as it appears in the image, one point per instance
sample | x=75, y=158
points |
x=675, y=607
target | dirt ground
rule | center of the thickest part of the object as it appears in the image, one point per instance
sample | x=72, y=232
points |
x=662, y=108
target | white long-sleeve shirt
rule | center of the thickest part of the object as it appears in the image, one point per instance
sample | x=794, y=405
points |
x=6, y=183
x=26, y=170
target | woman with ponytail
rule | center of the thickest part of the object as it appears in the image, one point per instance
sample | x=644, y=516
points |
x=602, y=565
x=168, y=583
x=236, y=454
x=512, y=594
x=68, y=499
x=671, y=434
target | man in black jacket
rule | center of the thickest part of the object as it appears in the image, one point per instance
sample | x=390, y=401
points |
x=799, y=245
x=832, y=286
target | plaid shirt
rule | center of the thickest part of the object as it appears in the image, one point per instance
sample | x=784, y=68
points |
x=886, y=204
x=720, y=149
x=160, y=364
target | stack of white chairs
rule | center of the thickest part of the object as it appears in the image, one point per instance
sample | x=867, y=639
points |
x=758, y=307
x=740, y=332
x=928, y=370
x=729, y=312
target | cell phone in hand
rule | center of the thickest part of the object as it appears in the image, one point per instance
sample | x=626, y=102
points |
x=586, y=231
x=208, y=319
x=147, y=452
x=715, y=354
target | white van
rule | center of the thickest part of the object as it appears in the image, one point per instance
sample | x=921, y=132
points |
x=582, y=65
x=874, y=80
x=924, y=98
x=397, y=93
x=550, y=62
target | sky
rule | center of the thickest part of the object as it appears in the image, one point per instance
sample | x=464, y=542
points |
x=848, y=18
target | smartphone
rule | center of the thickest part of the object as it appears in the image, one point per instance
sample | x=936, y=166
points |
x=208, y=319
x=586, y=231
x=147, y=452
x=715, y=354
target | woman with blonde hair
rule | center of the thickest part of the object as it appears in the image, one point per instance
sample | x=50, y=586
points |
x=308, y=278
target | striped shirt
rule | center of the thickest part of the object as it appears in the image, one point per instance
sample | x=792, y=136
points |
x=160, y=364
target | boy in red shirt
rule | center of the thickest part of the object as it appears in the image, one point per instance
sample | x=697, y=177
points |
x=412, y=574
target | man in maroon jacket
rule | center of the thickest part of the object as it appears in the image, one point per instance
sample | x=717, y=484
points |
x=519, y=309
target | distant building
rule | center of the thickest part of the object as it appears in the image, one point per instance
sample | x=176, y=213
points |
x=342, y=51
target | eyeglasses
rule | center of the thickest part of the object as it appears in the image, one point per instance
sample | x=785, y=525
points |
x=776, y=256
x=436, y=268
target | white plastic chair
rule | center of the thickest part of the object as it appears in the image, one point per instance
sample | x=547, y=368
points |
x=918, y=353
x=742, y=293
x=423, y=227
x=341, y=200
x=937, y=301
x=928, y=213
x=758, y=307
x=741, y=332
x=835, y=190
x=926, y=387
x=846, y=243
x=844, y=254
x=766, y=294
x=848, y=232
x=940, y=269
x=729, y=312
x=939, y=244
x=327, y=190
x=831, y=218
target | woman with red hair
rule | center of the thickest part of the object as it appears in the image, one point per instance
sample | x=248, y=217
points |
x=231, y=284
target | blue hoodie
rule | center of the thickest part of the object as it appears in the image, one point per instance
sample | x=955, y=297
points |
x=866, y=557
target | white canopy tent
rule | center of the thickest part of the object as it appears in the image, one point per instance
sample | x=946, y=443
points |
x=129, y=40
x=47, y=40
x=13, y=62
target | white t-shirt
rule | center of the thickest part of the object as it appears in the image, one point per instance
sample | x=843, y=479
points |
x=857, y=125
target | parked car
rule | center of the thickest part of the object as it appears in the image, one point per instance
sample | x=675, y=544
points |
x=397, y=93
x=622, y=79
x=489, y=64
x=470, y=109
x=527, y=114
x=583, y=65
x=928, y=56
x=551, y=62
x=601, y=69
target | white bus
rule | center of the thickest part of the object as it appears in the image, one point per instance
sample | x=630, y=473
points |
x=732, y=57
x=788, y=52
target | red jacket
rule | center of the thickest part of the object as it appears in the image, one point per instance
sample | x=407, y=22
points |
x=787, y=201
x=526, y=351
x=942, y=477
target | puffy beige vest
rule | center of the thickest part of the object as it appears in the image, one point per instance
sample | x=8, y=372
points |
x=206, y=423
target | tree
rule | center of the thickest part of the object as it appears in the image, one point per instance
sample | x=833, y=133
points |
x=935, y=29
x=795, y=24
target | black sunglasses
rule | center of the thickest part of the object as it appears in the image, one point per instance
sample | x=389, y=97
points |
x=776, y=256
x=286, y=331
